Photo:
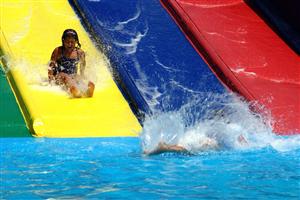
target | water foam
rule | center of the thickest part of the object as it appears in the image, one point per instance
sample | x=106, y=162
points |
x=225, y=126
x=36, y=75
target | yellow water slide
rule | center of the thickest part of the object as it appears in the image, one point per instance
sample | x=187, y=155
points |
x=30, y=30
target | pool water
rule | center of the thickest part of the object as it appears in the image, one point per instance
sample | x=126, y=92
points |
x=115, y=168
x=267, y=166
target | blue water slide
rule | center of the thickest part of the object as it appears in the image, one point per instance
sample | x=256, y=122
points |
x=156, y=66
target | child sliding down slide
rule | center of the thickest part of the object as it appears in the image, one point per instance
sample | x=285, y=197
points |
x=63, y=66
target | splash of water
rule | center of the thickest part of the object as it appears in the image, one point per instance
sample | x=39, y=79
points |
x=36, y=74
x=226, y=126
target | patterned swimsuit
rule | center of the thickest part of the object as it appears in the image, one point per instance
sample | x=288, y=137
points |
x=66, y=65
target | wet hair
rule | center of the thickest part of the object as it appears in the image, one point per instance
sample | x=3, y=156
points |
x=70, y=33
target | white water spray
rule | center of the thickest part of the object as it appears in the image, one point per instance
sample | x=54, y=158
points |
x=226, y=127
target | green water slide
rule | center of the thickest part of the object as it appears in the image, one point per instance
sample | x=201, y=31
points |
x=12, y=123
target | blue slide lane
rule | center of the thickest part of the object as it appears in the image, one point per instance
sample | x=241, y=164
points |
x=156, y=64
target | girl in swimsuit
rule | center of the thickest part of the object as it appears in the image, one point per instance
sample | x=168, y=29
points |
x=63, y=67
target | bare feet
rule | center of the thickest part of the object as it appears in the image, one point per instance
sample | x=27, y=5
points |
x=75, y=92
x=90, y=90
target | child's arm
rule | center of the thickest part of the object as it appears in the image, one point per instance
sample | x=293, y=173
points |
x=82, y=63
x=52, y=64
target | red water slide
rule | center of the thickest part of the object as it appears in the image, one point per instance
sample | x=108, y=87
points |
x=245, y=54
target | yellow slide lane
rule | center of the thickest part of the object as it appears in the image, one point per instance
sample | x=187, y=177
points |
x=30, y=30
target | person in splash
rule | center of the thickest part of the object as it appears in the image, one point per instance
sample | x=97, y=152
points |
x=203, y=143
x=63, y=67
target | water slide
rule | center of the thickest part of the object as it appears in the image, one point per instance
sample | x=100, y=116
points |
x=247, y=53
x=11, y=120
x=160, y=70
x=156, y=65
x=30, y=30
x=152, y=60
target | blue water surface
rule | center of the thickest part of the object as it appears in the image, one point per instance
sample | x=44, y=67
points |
x=115, y=168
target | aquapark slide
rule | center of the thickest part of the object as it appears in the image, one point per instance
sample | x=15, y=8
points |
x=156, y=65
x=161, y=71
x=246, y=52
x=152, y=59
x=30, y=30
x=11, y=121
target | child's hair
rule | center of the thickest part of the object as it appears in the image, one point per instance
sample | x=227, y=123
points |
x=70, y=33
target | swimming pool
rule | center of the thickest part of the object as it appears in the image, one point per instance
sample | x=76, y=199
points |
x=115, y=168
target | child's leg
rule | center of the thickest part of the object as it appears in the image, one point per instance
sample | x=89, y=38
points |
x=75, y=92
x=163, y=147
x=86, y=91
x=71, y=84
x=90, y=90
